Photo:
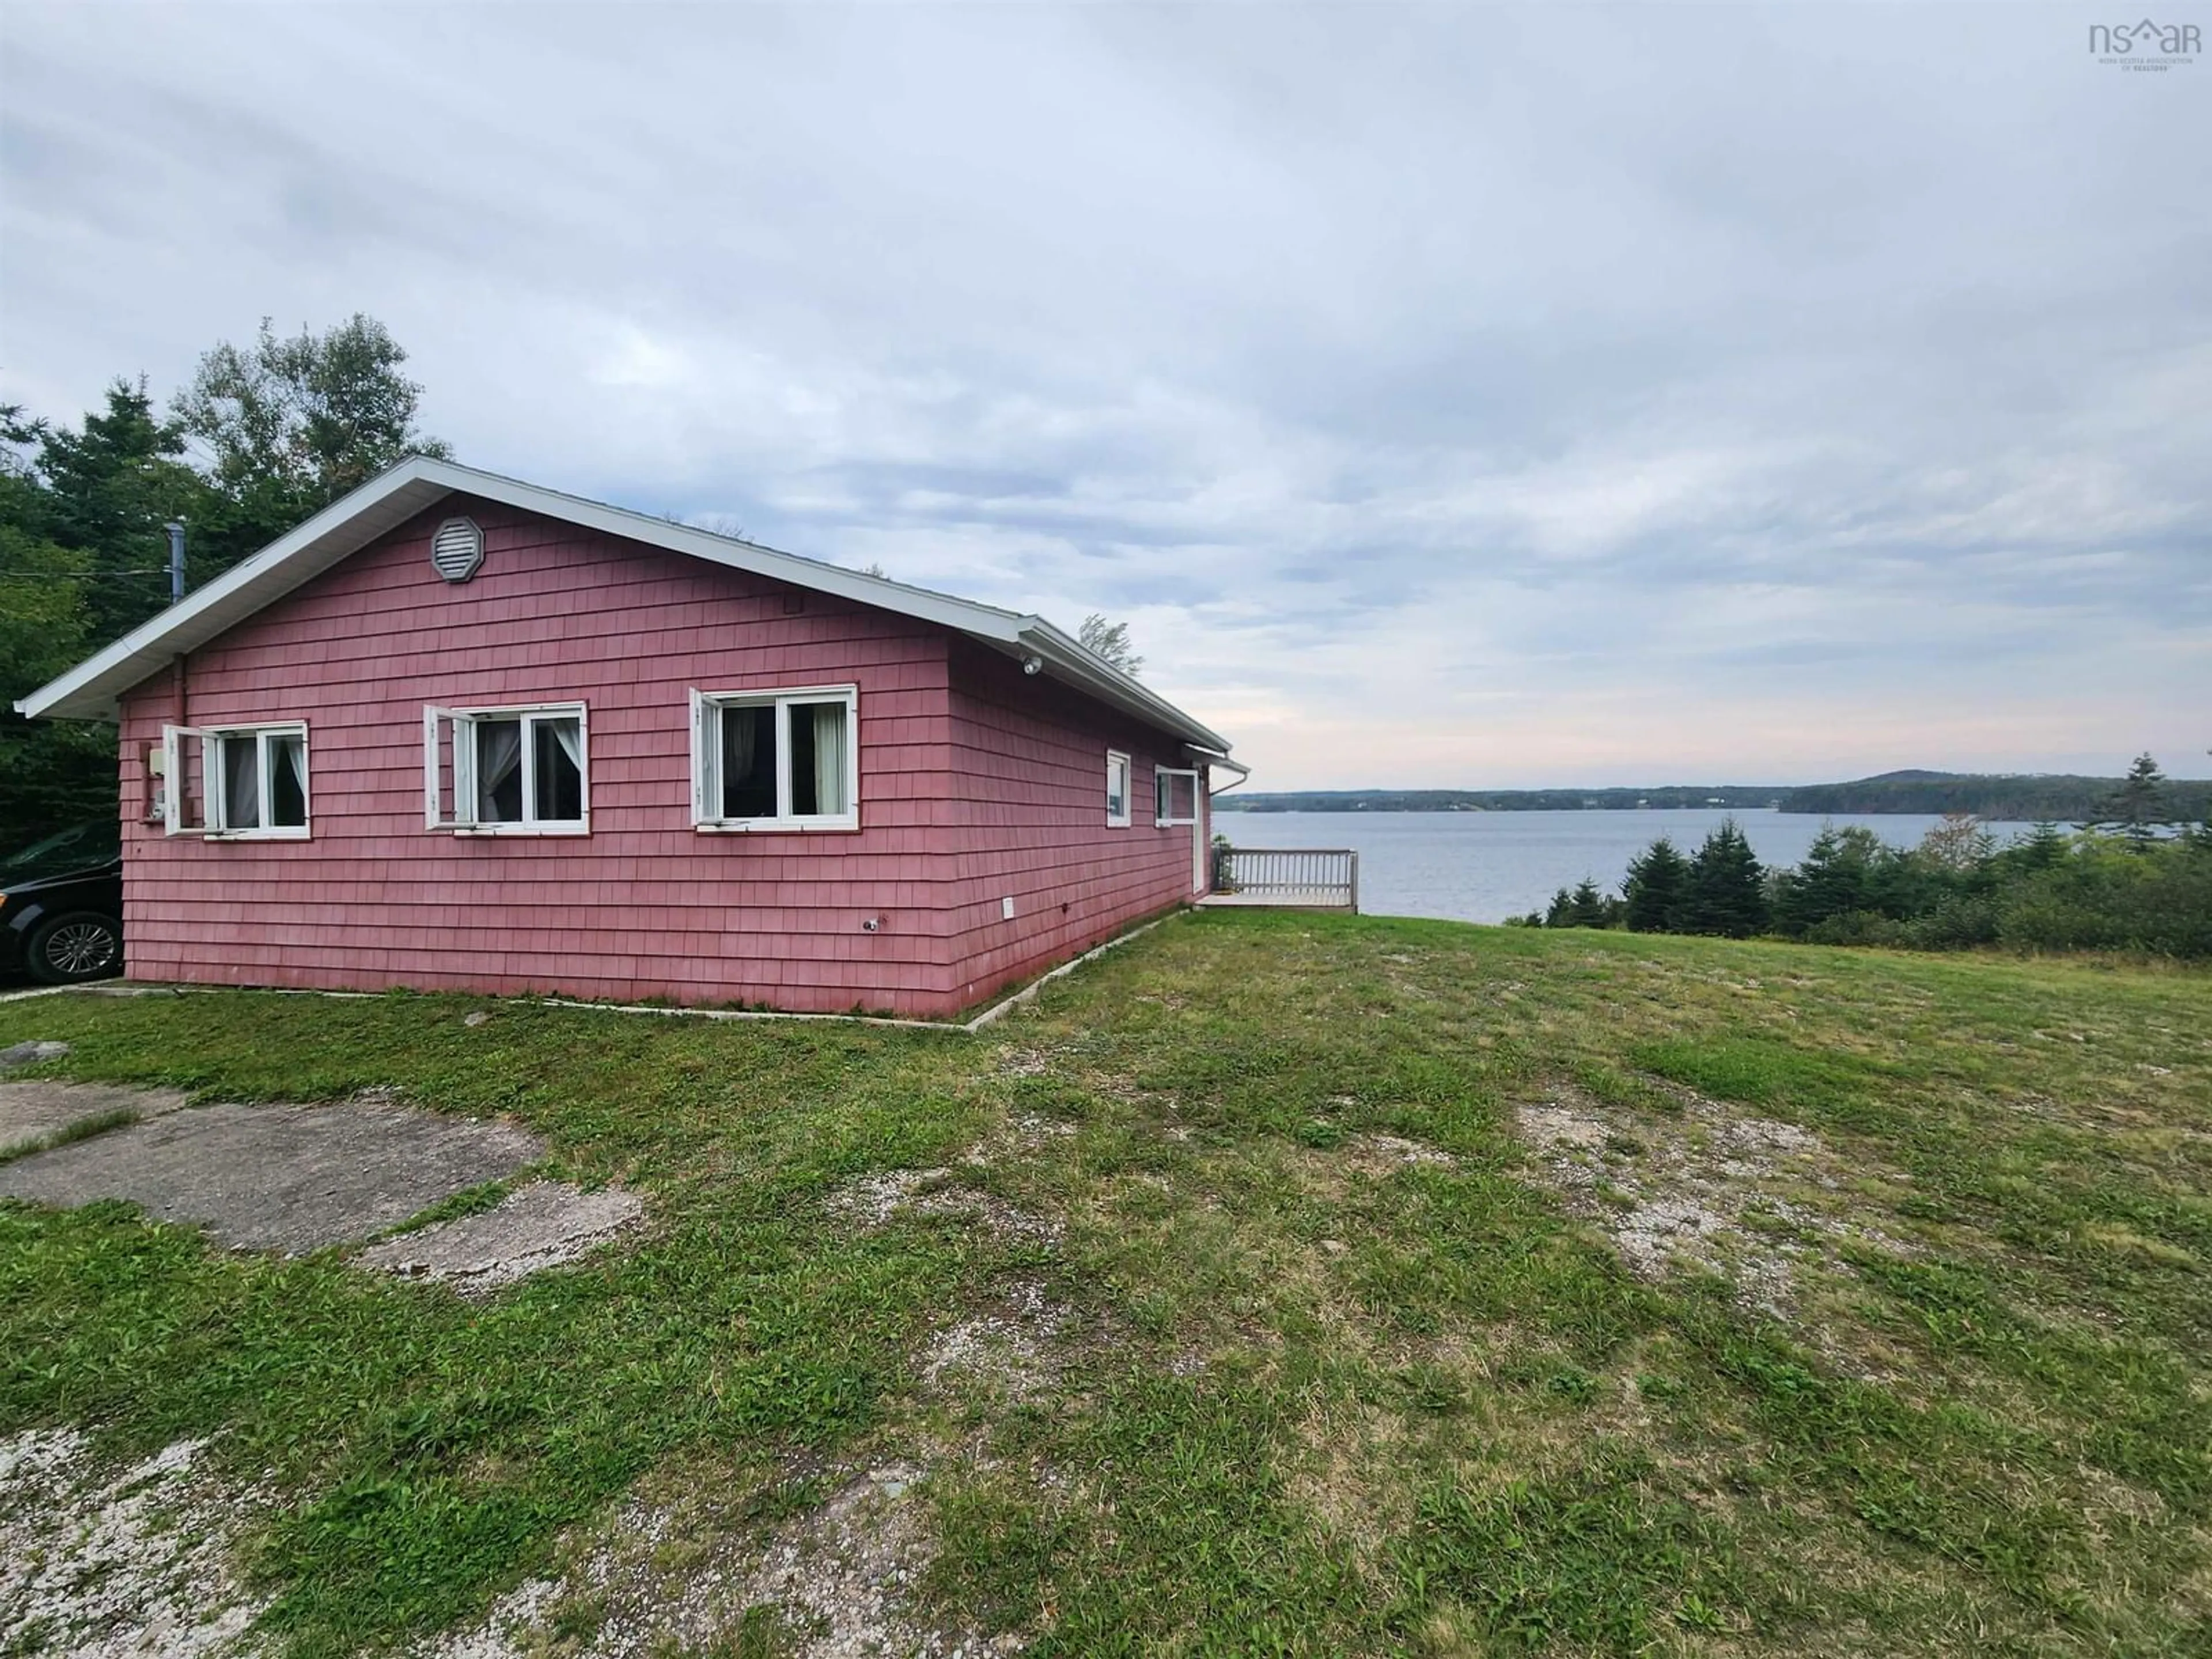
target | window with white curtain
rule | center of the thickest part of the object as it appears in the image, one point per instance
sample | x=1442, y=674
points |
x=776, y=760
x=518, y=771
x=235, y=782
x=1118, y=790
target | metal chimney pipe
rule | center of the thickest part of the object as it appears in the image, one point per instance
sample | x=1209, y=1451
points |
x=176, y=560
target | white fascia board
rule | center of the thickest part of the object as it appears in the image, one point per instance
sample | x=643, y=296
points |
x=983, y=621
x=90, y=690
x=388, y=500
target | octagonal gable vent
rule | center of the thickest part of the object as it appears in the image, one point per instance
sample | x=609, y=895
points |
x=456, y=549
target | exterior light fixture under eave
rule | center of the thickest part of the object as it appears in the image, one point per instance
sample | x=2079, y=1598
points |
x=1032, y=664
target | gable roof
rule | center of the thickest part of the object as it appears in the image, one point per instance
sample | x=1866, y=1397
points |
x=90, y=690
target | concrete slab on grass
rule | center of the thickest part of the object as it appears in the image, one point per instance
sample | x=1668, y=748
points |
x=280, y=1177
x=546, y=1223
x=33, y=1053
x=29, y=1112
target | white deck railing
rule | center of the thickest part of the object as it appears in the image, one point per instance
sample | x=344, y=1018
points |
x=1308, y=877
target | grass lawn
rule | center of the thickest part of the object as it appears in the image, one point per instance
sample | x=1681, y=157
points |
x=1274, y=1300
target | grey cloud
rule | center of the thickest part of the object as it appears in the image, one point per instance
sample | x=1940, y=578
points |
x=1527, y=383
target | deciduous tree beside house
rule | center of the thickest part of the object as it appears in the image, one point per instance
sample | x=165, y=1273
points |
x=262, y=437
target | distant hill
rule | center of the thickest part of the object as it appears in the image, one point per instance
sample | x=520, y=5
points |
x=1740, y=796
x=2023, y=798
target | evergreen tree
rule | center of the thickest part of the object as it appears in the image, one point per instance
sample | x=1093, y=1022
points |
x=287, y=428
x=82, y=559
x=1835, y=879
x=54, y=775
x=2137, y=810
x=1587, y=906
x=2044, y=846
x=1657, y=887
x=1728, y=891
x=106, y=490
x=1562, y=911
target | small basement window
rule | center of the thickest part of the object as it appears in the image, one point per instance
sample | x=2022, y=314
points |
x=1118, y=790
x=520, y=771
x=776, y=760
x=1175, y=796
x=235, y=782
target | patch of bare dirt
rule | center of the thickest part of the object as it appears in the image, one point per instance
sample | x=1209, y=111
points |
x=104, y=1564
x=1332, y=1172
x=1748, y=1198
x=874, y=1200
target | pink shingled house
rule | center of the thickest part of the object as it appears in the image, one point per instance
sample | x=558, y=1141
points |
x=459, y=733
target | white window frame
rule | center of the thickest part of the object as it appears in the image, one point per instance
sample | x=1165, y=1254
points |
x=1162, y=819
x=462, y=819
x=706, y=758
x=214, y=797
x=1116, y=760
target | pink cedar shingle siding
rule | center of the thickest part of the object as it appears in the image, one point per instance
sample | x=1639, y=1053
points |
x=1028, y=770
x=955, y=784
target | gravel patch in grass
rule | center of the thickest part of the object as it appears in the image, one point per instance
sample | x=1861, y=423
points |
x=101, y=1564
x=1022, y=1138
x=836, y=1580
x=1381, y=1154
x=1747, y=1198
x=1010, y=1350
x=1026, y=1062
x=876, y=1200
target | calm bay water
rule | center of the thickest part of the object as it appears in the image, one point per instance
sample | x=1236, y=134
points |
x=1486, y=866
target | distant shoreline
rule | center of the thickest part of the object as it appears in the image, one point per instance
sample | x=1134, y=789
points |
x=2024, y=800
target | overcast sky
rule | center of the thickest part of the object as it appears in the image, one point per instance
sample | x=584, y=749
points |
x=1446, y=396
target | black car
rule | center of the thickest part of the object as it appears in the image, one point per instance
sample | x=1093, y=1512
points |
x=61, y=906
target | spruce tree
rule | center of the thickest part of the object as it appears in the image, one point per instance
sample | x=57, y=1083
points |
x=1657, y=887
x=282, y=430
x=1834, y=880
x=1727, y=889
x=1562, y=911
x=1587, y=908
x=2137, y=810
x=2045, y=846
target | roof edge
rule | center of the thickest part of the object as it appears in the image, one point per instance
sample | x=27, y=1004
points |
x=413, y=485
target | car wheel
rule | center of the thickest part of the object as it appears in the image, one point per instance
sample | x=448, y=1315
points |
x=83, y=944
